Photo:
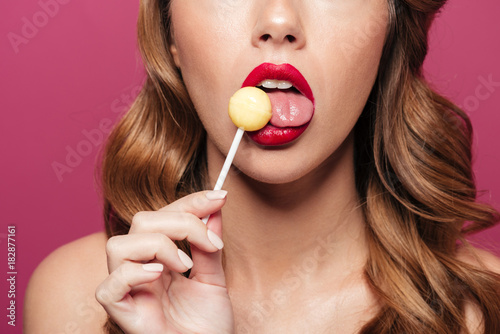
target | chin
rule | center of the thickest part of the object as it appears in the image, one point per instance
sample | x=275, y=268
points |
x=274, y=178
x=307, y=165
x=275, y=173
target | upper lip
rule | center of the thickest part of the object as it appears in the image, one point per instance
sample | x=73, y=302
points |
x=279, y=72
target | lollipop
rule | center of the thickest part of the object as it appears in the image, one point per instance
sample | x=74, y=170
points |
x=250, y=110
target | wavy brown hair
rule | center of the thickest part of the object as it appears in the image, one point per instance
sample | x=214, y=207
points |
x=413, y=175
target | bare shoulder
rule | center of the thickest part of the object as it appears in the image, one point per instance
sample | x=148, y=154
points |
x=60, y=294
x=484, y=260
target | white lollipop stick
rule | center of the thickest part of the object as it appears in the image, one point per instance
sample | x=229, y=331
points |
x=250, y=110
x=227, y=164
x=229, y=159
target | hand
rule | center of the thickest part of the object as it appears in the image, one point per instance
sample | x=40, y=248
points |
x=145, y=292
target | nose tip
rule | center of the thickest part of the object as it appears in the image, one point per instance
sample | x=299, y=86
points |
x=278, y=23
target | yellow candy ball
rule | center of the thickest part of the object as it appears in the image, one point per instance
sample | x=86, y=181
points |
x=250, y=108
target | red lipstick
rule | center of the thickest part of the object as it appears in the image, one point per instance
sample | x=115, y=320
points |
x=293, y=108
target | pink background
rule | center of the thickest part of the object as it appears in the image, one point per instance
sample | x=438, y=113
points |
x=74, y=75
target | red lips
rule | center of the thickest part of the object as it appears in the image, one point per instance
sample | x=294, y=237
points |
x=292, y=108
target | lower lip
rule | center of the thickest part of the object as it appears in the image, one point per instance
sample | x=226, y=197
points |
x=274, y=136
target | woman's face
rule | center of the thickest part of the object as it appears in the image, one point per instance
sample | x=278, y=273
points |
x=332, y=47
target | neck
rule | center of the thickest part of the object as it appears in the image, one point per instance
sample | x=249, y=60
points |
x=310, y=229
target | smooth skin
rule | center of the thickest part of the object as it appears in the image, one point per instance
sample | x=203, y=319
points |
x=294, y=242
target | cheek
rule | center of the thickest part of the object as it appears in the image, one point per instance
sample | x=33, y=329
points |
x=351, y=59
x=193, y=45
x=205, y=33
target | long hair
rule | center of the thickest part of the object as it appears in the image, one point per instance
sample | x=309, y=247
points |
x=413, y=175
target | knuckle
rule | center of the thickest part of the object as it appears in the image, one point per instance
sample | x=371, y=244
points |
x=102, y=294
x=198, y=200
x=183, y=205
x=139, y=218
x=160, y=240
x=190, y=224
x=190, y=202
x=120, y=272
x=113, y=245
x=186, y=219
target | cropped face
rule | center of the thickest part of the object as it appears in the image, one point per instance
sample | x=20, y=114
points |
x=317, y=59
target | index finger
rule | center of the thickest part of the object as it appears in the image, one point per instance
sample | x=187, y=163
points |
x=200, y=204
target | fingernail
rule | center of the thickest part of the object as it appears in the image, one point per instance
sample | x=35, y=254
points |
x=154, y=267
x=216, y=194
x=215, y=240
x=185, y=259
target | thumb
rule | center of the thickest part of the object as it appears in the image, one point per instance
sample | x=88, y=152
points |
x=207, y=267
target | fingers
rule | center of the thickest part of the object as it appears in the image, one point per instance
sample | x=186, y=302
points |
x=176, y=226
x=208, y=266
x=181, y=219
x=116, y=287
x=200, y=204
x=145, y=247
x=151, y=238
x=121, y=281
x=151, y=233
x=114, y=294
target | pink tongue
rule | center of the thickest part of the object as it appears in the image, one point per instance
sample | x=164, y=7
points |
x=290, y=108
